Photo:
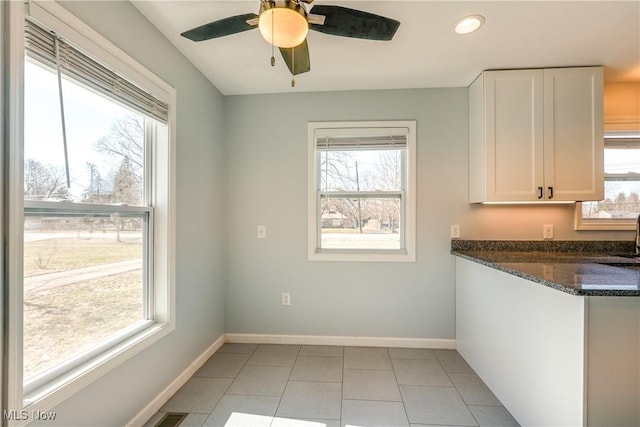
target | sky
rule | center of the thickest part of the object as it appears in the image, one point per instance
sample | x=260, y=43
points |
x=88, y=117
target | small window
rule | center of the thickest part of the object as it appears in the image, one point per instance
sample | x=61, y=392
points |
x=621, y=206
x=361, y=191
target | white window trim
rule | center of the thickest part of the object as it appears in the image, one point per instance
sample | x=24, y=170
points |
x=605, y=224
x=14, y=69
x=409, y=254
x=600, y=224
x=66, y=24
x=4, y=118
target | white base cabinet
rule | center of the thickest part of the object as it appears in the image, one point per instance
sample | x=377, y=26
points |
x=536, y=135
x=550, y=357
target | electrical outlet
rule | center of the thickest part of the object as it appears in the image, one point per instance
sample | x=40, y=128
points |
x=262, y=232
x=547, y=231
x=286, y=298
x=455, y=231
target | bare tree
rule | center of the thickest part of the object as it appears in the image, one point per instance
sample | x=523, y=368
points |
x=388, y=170
x=342, y=171
x=336, y=171
x=125, y=144
x=127, y=185
x=125, y=140
x=98, y=190
x=42, y=182
x=620, y=201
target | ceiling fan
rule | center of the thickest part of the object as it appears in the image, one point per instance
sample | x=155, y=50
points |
x=285, y=23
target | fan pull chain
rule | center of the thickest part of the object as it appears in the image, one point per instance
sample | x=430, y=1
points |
x=293, y=67
x=273, y=55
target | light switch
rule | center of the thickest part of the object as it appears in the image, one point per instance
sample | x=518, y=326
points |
x=262, y=232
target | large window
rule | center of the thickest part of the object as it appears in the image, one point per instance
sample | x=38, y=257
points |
x=621, y=206
x=361, y=184
x=96, y=237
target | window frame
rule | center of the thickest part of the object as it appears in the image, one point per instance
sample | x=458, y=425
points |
x=607, y=224
x=161, y=221
x=408, y=252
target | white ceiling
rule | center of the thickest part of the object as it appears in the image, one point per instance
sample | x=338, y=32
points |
x=425, y=51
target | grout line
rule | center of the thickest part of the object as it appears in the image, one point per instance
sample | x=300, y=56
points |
x=395, y=375
x=458, y=391
x=233, y=379
x=370, y=370
x=287, y=383
x=318, y=355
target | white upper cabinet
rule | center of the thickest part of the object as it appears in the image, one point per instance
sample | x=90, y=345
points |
x=536, y=135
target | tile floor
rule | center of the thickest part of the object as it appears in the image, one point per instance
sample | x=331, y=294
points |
x=316, y=386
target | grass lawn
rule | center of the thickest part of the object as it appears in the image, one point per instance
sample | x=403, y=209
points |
x=61, y=321
x=46, y=256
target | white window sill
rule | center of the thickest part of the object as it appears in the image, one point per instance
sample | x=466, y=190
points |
x=63, y=387
x=604, y=226
x=352, y=256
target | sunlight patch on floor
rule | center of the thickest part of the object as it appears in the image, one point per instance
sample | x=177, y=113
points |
x=238, y=419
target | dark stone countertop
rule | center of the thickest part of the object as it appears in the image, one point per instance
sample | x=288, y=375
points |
x=577, y=268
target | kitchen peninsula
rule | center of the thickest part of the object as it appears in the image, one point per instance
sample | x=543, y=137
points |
x=553, y=328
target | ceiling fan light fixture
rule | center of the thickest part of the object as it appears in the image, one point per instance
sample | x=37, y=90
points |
x=283, y=24
x=469, y=24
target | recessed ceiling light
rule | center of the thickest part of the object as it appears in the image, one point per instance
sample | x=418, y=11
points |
x=469, y=24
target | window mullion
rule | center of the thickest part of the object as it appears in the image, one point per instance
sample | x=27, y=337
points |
x=34, y=207
x=148, y=290
x=319, y=219
x=622, y=177
x=148, y=296
x=149, y=153
x=361, y=194
x=403, y=201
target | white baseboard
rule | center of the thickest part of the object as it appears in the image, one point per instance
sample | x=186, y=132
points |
x=434, y=343
x=162, y=398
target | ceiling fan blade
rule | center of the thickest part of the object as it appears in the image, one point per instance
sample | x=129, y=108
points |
x=300, y=55
x=221, y=28
x=345, y=22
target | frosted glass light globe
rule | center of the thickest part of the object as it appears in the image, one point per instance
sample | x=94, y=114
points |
x=283, y=26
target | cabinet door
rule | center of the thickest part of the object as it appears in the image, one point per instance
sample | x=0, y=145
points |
x=514, y=134
x=573, y=134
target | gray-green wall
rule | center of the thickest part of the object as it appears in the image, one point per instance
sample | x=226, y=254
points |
x=267, y=184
